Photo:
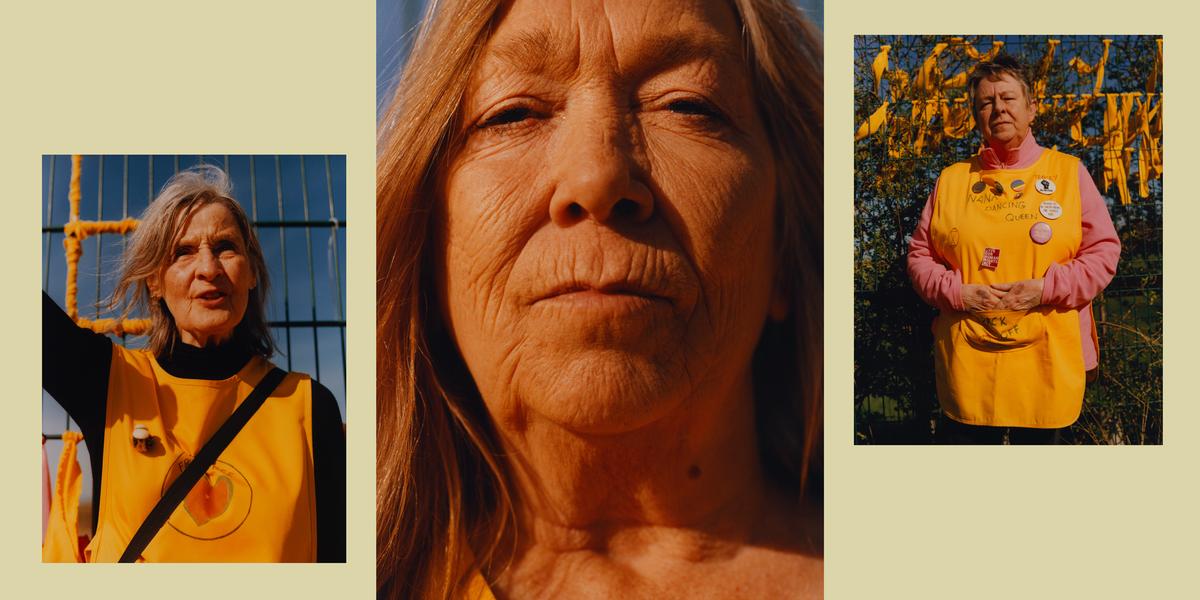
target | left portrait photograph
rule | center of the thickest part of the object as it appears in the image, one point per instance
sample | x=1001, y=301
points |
x=193, y=358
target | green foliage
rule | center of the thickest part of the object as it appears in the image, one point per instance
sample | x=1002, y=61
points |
x=895, y=399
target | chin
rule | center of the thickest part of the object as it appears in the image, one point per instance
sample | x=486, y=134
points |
x=603, y=391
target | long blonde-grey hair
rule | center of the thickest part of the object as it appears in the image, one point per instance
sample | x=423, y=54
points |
x=152, y=245
x=444, y=498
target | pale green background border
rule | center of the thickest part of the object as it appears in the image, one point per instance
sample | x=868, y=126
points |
x=214, y=77
x=901, y=522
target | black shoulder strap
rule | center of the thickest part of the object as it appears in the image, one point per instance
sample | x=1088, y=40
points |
x=204, y=459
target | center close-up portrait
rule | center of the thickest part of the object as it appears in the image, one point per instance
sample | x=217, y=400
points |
x=599, y=302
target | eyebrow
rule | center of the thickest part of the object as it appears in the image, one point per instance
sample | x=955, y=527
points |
x=221, y=236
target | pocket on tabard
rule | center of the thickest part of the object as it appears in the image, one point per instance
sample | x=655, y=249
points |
x=1003, y=330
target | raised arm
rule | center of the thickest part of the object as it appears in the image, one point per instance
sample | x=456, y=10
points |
x=75, y=365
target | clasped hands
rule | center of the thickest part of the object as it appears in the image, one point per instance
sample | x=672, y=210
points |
x=1014, y=295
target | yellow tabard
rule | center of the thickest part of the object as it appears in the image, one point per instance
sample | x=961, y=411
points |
x=478, y=589
x=1009, y=368
x=255, y=504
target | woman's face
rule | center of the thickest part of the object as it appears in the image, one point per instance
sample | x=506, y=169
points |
x=1003, y=111
x=207, y=281
x=606, y=230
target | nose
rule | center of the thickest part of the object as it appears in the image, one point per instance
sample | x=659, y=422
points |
x=596, y=174
x=207, y=265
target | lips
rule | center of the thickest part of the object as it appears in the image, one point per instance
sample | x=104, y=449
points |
x=211, y=296
x=614, y=290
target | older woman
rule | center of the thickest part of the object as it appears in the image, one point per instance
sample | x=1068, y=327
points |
x=1012, y=246
x=277, y=491
x=599, y=303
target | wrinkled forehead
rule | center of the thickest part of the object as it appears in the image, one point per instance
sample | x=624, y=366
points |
x=219, y=219
x=556, y=37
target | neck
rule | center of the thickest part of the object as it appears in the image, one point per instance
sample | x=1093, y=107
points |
x=681, y=484
x=1011, y=155
x=212, y=362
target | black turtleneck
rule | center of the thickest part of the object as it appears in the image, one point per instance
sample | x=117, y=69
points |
x=75, y=368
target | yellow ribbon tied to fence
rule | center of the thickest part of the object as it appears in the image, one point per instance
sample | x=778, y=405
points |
x=75, y=231
x=928, y=75
x=1039, y=83
x=62, y=529
x=879, y=65
x=958, y=120
x=1116, y=166
x=1083, y=68
x=873, y=123
x=971, y=51
x=1128, y=120
x=1152, y=79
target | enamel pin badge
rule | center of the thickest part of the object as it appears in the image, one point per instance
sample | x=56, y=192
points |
x=991, y=258
x=1050, y=209
x=1040, y=233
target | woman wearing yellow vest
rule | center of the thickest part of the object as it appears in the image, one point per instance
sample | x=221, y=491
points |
x=276, y=493
x=1012, y=246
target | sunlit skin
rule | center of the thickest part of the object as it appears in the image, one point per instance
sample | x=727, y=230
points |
x=606, y=269
x=207, y=281
x=1003, y=113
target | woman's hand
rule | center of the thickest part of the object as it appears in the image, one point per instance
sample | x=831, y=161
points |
x=1019, y=295
x=978, y=298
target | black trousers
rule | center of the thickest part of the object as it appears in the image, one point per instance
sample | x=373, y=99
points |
x=951, y=432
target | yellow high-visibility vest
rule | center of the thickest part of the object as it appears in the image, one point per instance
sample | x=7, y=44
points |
x=1009, y=368
x=255, y=504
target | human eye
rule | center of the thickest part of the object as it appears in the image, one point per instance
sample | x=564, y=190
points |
x=692, y=111
x=183, y=251
x=695, y=107
x=223, y=246
x=509, y=118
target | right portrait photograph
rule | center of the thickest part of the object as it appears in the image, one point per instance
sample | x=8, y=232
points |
x=599, y=300
x=1008, y=239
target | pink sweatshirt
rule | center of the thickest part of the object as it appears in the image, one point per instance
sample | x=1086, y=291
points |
x=1070, y=285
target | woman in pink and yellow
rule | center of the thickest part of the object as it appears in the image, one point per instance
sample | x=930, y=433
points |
x=1012, y=246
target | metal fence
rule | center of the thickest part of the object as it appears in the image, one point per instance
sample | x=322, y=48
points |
x=895, y=396
x=297, y=205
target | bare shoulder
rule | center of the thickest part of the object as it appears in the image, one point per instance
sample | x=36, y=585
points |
x=790, y=546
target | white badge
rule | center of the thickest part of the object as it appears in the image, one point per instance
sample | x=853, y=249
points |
x=1044, y=186
x=1050, y=209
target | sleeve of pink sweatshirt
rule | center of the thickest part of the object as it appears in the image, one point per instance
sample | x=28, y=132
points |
x=1070, y=285
x=934, y=282
x=1075, y=283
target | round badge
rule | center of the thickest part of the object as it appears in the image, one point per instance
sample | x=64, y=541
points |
x=1044, y=186
x=1050, y=209
x=1018, y=185
x=1040, y=232
x=978, y=187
